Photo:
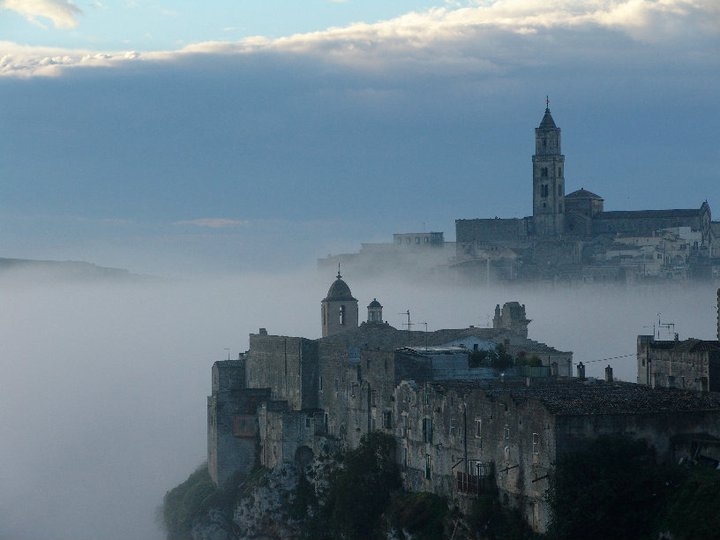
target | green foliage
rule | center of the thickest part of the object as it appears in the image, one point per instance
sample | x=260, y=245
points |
x=479, y=358
x=497, y=359
x=305, y=501
x=610, y=489
x=501, y=360
x=693, y=508
x=421, y=514
x=189, y=503
x=359, y=492
x=182, y=504
x=492, y=521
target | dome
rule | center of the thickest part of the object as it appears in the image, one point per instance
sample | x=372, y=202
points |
x=374, y=304
x=339, y=290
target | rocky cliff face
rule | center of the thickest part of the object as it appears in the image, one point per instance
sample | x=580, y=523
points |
x=262, y=511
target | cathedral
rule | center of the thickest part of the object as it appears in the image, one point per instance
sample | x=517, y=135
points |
x=569, y=237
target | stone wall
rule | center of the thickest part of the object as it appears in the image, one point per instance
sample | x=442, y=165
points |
x=286, y=365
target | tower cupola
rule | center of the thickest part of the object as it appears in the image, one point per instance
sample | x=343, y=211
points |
x=374, y=312
x=339, y=309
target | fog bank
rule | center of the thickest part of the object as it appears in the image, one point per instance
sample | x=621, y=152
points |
x=102, y=404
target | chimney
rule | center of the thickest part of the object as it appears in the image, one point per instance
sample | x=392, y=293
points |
x=608, y=374
x=581, y=371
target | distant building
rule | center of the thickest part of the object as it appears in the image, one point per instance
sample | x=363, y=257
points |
x=458, y=418
x=569, y=237
x=690, y=364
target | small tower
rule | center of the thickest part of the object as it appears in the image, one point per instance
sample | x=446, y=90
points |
x=374, y=312
x=339, y=309
x=548, y=179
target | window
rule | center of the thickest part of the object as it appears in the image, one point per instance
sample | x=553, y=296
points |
x=506, y=434
x=342, y=315
x=307, y=422
x=417, y=239
x=320, y=384
x=387, y=419
x=427, y=430
x=478, y=427
x=536, y=444
x=405, y=457
x=544, y=172
x=427, y=466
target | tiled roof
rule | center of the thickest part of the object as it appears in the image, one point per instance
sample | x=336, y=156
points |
x=593, y=397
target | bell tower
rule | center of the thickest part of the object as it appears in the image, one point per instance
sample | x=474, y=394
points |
x=339, y=310
x=548, y=179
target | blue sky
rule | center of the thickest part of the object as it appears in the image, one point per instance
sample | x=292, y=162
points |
x=147, y=25
x=168, y=137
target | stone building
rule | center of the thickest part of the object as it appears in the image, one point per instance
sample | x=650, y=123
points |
x=692, y=364
x=458, y=419
x=572, y=237
x=568, y=237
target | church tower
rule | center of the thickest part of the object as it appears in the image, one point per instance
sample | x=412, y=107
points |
x=548, y=179
x=339, y=309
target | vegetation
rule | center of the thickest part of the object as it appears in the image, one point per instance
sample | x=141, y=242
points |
x=492, y=521
x=184, y=503
x=190, y=503
x=498, y=358
x=692, y=512
x=421, y=514
x=609, y=488
x=359, y=492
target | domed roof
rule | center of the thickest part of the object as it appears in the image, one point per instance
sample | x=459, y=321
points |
x=376, y=304
x=339, y=290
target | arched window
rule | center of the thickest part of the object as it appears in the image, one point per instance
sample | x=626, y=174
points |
x=342, y=315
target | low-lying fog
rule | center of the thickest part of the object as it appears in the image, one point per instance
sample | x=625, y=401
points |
x=103, y=393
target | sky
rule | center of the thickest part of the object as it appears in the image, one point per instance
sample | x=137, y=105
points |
x=229, y=145
x=176, y=138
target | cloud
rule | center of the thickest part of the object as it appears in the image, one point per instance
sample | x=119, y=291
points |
x=480, y=36
x=62, y=13
x=213, y=223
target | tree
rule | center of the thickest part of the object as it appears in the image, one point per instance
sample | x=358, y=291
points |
x=360, y=491
x=610, y=489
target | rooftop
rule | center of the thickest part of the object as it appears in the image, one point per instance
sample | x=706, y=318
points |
x=572, y=397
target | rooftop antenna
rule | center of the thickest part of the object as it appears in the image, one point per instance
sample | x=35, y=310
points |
x=408, y=323
x=669, y=327
x=547, y=102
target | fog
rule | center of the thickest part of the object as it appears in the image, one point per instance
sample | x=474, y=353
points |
x=104, y=385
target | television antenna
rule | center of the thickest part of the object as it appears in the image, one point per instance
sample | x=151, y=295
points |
x=409, y=324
